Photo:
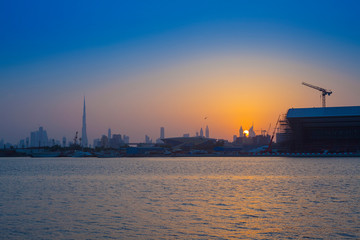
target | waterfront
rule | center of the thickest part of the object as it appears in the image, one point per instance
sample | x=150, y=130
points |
x=180, y=198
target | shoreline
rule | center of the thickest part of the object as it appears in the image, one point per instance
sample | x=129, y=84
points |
x=14, y=154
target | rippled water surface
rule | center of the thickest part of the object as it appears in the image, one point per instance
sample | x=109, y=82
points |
x=180, y=198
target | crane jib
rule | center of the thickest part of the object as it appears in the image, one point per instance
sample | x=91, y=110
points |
x=323, y=90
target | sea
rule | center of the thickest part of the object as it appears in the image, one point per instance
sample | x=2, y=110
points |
x=180, y=198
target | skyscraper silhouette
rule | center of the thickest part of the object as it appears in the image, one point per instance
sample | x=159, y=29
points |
x=251, y=131
x=162, y=132
x=84, y=140
x=109, y=134
x=207, y=134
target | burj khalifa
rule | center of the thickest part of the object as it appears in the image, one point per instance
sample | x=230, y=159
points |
x=84, y=140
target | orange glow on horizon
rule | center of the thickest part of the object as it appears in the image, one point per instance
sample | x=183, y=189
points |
x=178, y=97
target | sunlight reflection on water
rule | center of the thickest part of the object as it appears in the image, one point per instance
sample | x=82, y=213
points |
x=180, y=198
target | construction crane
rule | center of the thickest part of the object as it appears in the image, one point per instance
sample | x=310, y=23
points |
x=268, y=131
x=323, y=91
x=273, y=135
x=75, y=138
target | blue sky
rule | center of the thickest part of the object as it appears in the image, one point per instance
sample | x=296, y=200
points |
x=38, y=29
x=55, y=52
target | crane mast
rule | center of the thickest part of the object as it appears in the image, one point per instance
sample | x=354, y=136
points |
x=273, y=135
x=75, y=138
x=323, y=91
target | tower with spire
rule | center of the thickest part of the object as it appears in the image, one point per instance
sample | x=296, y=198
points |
x=207, y=134
x=251, y=131
x=201, y=132
x=84, y=140
x=241, y=132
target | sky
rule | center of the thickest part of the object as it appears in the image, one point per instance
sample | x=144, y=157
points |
x=181, y=65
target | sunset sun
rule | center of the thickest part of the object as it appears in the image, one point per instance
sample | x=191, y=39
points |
x=246, y=133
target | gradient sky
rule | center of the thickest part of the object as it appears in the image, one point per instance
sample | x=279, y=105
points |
x=147, y=64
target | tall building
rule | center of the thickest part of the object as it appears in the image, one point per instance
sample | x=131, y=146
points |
x=201, y=133
x=241, y=132
x=97, y=142
x=43, y=137
x=109, y=134
x=33, y=139
x=116, y=141
x=162, y=136
x=39, y=138
x=147, y=139
x=207, y=134
x=104, y=142
x=126, y=139
x=84, y=139
x=21, y=143
x=252, y=132
x=162, y=133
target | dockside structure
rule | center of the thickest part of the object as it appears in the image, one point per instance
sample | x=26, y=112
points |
x=333, y=129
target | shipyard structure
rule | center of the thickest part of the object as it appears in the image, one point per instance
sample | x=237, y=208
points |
x=319, y=130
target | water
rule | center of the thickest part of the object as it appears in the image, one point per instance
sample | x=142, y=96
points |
x=180, y=198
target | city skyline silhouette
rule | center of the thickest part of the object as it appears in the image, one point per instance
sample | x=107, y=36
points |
x=178, y=65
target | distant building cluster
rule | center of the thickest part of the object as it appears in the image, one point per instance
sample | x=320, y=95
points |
x=249, y=141
x=111, y=141
x=37, y=139
x=40, y=139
